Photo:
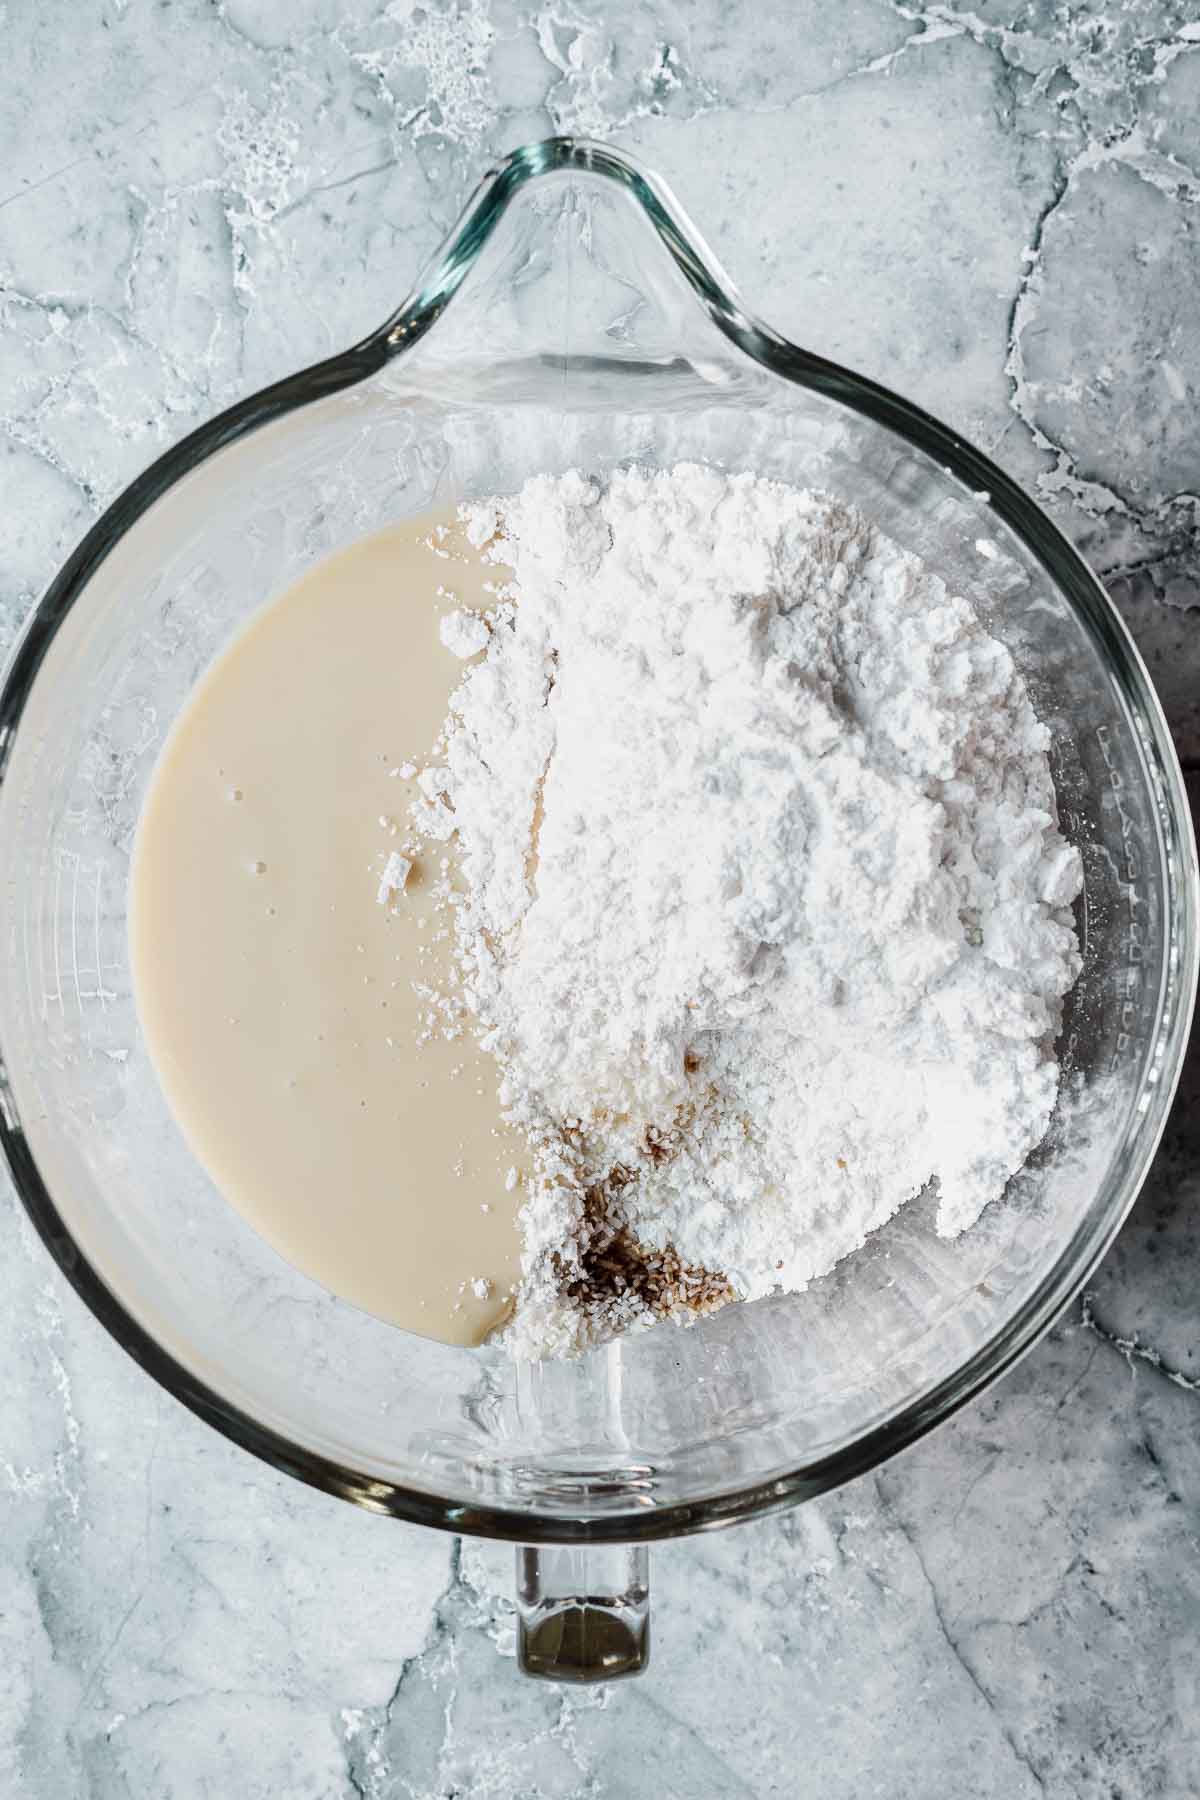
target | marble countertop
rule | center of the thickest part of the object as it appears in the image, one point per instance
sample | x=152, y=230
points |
x=995, y=209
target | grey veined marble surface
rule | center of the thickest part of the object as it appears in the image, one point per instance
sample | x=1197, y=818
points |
x=995, y=209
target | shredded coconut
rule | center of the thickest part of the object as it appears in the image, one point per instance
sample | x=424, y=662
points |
x=766, y=915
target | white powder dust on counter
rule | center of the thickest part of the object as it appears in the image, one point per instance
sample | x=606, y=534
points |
x=766, y=912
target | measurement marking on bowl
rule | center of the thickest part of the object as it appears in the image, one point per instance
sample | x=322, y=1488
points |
x=70, y=933
x=54, y=996
x=1133, y=939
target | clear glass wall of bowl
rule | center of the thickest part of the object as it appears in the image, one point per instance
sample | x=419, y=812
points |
x=575, y=340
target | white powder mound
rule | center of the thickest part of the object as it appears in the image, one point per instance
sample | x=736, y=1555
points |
x=767, y=915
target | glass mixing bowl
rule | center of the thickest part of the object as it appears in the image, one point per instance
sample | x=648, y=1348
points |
x=574, y=318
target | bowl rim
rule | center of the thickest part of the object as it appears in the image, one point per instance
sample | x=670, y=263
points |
x=719, y=298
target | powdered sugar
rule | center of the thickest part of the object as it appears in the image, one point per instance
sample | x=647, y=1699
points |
x=392, y=882
x=767, y=913
x=463, y=633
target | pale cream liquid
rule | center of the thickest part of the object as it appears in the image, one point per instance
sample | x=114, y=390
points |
x=275, y=993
